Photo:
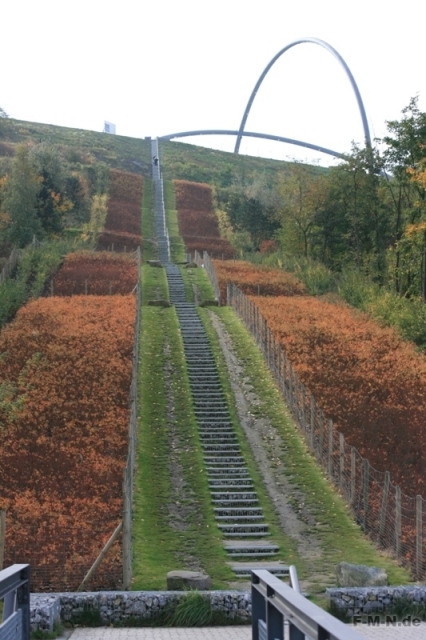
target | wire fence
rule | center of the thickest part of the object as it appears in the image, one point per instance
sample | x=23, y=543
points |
x=13, y=259
x=207, y=263
x=392, y=519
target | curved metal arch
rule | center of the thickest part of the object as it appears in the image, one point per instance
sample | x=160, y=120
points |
x=252, y=134
x=337, y=55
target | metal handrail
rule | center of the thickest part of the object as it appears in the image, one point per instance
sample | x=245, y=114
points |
x=15, y=592
x=294, y=579
x=275, y=603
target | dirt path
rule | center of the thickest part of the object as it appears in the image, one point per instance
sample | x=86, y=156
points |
x=267, y=446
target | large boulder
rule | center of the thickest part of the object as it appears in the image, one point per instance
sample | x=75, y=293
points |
x=184, y=580
x=358, y=575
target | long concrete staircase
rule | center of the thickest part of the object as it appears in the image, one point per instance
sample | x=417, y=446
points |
x=238, y=514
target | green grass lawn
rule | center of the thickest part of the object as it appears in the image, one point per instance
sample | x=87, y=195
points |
x=170, y=478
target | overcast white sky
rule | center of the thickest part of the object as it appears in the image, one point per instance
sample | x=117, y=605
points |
x=165, y=66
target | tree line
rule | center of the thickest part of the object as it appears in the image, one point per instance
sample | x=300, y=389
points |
x=44, y=189
x=368, y=213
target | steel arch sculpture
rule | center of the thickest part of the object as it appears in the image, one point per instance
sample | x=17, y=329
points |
x=252, y=134
x=337, y=55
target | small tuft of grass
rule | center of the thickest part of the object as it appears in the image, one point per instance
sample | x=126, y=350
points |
x=57, y=630
x=194, y=610
x=89, y=616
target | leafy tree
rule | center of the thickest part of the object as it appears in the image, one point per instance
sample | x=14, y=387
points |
x=20, y=198
x=302, y=198
x=52, y=204
x=3, y=121
x=362, y=219
x=250, y=208
x=404, y=163
x=77, y=190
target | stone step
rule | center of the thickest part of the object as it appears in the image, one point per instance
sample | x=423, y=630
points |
x=248, y=528
x=217, y=428
x=244, y=570
x=220, y=473
x=239, y=512
x=233, y=495
x=236, y=461
x=223, y=484
x=254, y=551
x=223, y=436
x=211, y=413
x=238, y=535
x=226, y=449
x=239, y=519
x=217, y=425
x=201, y=404
x=240, y=503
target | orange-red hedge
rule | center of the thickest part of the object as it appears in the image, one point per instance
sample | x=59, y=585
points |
x=363, y=376
x=198, y=223
x=256, y=279
x=66, y=372
x=119, y=241
x=124, y=213
x=101, y=273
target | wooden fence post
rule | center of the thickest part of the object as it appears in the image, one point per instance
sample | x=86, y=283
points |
x=330, y=448
x=384, y=504
x=342, y=461
x=312, y=434
x=286, y=395
x=353, y=474
x=419, y=536
x=303, y=407
x=102, y=555
x=321, y=438
x=366, y=485
x=397, y=522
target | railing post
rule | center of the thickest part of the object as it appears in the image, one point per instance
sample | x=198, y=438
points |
x=23, y=598
x=258, y=610
x=274, y=622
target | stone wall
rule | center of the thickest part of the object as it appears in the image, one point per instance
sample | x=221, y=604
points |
x=356, y=601
x=117, y=607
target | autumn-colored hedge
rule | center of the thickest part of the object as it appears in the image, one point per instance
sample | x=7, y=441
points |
x=96, y=273
x=118, y=241
x=125, y=186
x=65, y=375
x=198, y=223
x=193, y=195
x=363, y=376
x=123, y=216
x=124, y=211
x=256, y=279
